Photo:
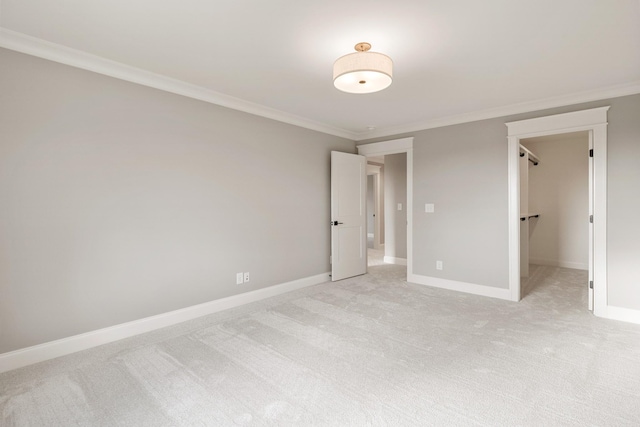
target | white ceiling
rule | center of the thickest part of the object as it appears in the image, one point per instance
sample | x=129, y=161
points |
x=453, y=60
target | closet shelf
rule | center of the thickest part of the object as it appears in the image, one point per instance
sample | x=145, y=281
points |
x=532, y=157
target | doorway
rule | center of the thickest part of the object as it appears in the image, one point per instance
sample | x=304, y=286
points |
x=391, y=163
x=593, y=121
x=387, y=209
x=554, y=194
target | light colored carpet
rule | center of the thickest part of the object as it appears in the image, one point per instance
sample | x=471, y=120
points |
x=371, y=350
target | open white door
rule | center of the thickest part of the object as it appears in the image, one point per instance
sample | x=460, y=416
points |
x=590, y=284
x=348, y=215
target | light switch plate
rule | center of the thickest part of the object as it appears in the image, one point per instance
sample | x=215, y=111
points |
x=399, y=206
x=429, y=208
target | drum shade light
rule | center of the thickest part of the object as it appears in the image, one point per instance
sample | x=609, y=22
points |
x=362, y=71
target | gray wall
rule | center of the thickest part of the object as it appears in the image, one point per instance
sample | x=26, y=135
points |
x=395, y=190
x=119, y=201
x=623, y=227
x=463, y=170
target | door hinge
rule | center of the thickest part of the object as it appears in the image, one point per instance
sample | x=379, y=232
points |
x=591, y=219
x=590, y=284
x=591, y=152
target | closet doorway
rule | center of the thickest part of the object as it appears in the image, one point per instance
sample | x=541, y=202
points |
x=594, y=123
x=555, y=206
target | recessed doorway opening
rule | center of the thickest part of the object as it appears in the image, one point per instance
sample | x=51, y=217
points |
x=389, y=169
x=555, y=205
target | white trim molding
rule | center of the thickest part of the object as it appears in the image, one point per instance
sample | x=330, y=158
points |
x=623, y=314
x=378, y=235
x=383, y=148
x=34, y=46
x=50, y=350
x=595, y=122
x=394, y=260
x=454, y=285
x=563, y=264
x=76, y=58
x=615, y=91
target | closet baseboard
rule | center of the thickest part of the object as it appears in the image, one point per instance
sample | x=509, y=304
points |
x=563, y=264
x=394, y=260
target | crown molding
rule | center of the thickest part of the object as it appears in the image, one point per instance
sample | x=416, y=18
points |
x=29, y=45
x=524, y=107
x=34, y=46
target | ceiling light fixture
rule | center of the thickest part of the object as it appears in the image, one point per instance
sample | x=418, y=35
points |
x=362, y=71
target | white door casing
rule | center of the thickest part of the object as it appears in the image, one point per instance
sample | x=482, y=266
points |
x=594, y=121
x=348, y=215
x=374, y=171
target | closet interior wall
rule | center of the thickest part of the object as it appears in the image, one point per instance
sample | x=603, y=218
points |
x=558, y=190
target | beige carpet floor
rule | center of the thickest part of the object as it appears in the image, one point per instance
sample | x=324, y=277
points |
x=367, y=351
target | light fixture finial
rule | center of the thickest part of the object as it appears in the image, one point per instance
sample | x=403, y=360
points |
x=362, y=47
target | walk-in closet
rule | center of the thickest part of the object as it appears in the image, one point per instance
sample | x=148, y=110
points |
x=554, y=203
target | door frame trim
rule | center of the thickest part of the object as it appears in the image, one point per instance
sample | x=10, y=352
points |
x=397, y=146
x=375, y=171
x=592, y=120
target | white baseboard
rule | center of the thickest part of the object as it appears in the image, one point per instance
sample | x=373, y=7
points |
x=622, y=314
x=453, y=285
x=394, y=260
x=563, y=264
x=50, y=350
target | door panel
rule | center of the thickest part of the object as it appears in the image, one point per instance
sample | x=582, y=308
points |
x=348, y=215
x=590, y=223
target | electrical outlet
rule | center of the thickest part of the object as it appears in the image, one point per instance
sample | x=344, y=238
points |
x=239, y=279
x=246, y=277
x=438, y=265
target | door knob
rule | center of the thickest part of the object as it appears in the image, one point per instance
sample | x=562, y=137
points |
x=336, y=223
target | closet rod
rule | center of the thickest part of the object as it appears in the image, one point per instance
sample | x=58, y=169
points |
x=535, y=163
